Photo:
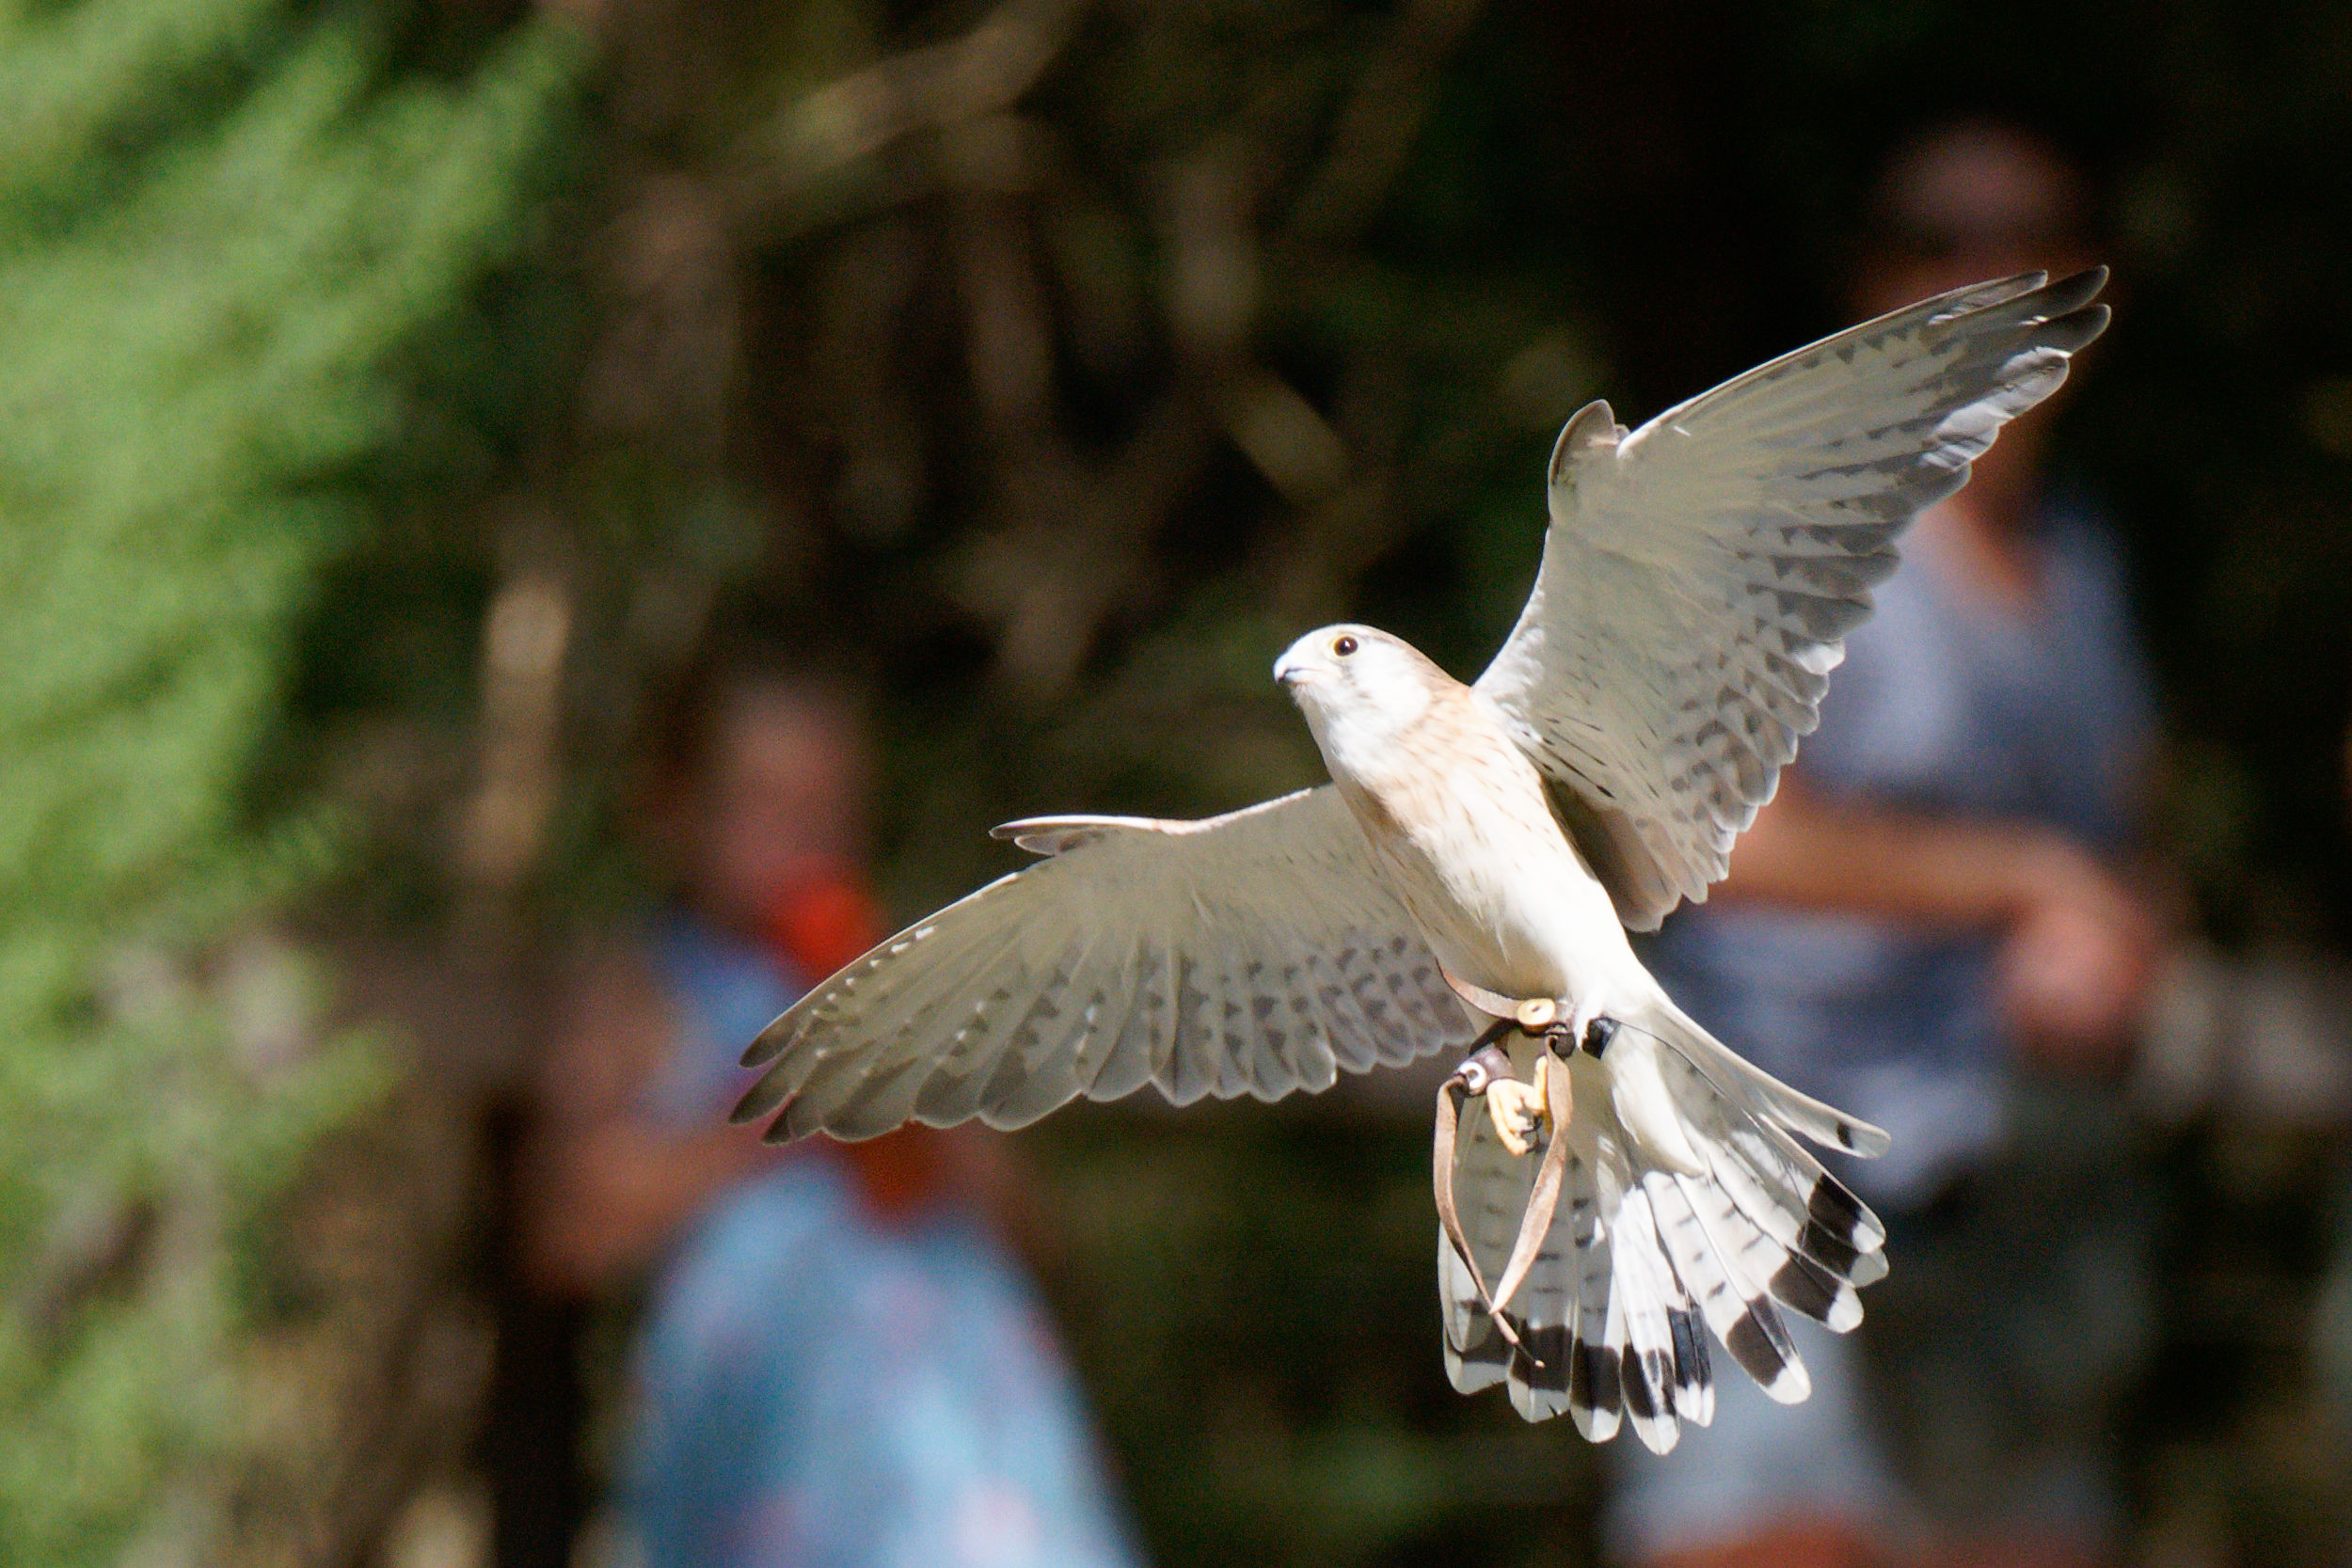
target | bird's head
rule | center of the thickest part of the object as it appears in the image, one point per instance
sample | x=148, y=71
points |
x=1357, y=683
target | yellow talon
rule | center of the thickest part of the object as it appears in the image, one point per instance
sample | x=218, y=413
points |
x=1516, y=1109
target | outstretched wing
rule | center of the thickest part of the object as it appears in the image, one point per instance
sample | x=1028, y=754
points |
x=1700, y=575
x=1254, y=953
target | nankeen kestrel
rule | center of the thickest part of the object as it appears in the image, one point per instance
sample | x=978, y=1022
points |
x=1610, y=1175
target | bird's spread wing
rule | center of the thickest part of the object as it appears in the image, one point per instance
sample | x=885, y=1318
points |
x=1700, y=574
x=1254, y=953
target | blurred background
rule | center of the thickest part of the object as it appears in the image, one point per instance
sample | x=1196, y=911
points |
x=411, y=402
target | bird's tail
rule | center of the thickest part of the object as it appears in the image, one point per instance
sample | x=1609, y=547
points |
x=1645, y=1264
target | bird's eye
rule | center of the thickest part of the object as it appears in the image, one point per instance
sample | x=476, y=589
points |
x=1344, y=647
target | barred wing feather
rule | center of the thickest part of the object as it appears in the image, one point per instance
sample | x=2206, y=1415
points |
x=1700, y=574
x=1251, y=954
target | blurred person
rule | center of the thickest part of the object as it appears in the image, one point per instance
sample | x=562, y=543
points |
x=1932, y=925
x=839, y=1362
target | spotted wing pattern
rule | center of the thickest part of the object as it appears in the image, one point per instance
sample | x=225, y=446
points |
x=1700, y=574
x=1252, y=954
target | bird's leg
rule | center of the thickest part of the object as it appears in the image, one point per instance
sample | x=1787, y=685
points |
x=1487, y=1070
x=1491, y=1037
x=1543, y=1198
x=1516, y=1108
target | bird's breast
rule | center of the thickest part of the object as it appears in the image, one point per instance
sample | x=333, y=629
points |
x=1470, y=847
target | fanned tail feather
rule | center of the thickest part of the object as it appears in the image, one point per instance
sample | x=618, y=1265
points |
x=1643, y=1265
x=1596, y=1385
x=1766, y=1097
x=1783, y=1189
x=1734, y=1310
x=1658, y=1316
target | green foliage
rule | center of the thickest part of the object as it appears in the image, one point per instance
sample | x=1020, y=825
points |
x=218, y=220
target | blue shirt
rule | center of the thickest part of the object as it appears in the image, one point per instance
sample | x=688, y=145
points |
x=818, y=1390
x=1953, y=707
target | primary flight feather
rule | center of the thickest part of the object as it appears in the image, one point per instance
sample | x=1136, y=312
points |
x=1488, y=844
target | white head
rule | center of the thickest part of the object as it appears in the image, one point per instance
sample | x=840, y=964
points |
x=1356, y=685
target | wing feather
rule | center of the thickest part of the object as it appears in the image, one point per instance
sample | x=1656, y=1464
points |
x=1700, y=574
x=1255, y=953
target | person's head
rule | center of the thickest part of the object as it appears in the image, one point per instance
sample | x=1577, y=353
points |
x=1970, y=201
x=1961, y=203
x=762, y=791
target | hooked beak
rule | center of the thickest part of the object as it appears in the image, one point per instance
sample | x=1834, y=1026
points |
x=1290, y=675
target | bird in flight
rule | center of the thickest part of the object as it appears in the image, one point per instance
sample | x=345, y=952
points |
x=1614, y=1186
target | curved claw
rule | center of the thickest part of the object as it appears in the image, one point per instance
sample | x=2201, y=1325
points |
x=1516, y=1109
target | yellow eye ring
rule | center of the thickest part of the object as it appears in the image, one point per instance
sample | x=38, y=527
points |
x=1343, y=646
